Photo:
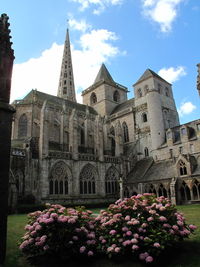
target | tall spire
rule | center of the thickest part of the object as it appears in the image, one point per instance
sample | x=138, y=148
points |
x=66, y=87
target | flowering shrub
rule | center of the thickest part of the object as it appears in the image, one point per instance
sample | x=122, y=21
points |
x=141, y=226
x=59, y=232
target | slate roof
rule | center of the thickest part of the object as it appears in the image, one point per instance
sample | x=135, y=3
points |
x=139, y=170
x=147, y=74
x=104, y=75
x=124, y=105
x=147, y=170
x=57, y=101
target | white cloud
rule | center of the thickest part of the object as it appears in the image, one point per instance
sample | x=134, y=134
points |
x=172, y=74
x=163, y=12
x=186, y=108
x=43, y=72
x=79, y=25
x=99, y=5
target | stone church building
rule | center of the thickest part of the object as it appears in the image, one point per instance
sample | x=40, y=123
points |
x=108, y=147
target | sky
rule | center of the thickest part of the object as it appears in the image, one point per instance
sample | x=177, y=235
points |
x=128, y=36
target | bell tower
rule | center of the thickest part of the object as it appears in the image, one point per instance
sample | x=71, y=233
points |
x=66, y=88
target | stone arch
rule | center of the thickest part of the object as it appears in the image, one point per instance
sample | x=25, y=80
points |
x=93, y=98
x=185, y=192
x=112, y=181
x=116, y=96
x=22, y=126
x=125, y=132
x=150, y=188
x=87, y=179
x=162, y=191
x=59, y=178
x=196, y=189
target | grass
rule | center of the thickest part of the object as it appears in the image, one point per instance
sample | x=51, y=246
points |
x=187, y=255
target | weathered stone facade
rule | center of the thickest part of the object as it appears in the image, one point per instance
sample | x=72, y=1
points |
x=81, y=153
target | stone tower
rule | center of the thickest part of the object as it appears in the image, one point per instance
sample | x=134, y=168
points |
x=105, y=94
x=66, y=88
x=161, y=113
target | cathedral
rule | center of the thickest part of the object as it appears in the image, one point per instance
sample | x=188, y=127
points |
x=106, y=148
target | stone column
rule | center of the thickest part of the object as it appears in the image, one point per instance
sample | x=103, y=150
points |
x=6, y=114
x=173, y=191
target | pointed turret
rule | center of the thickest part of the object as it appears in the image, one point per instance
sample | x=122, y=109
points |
x=66, y=87
x=103, y=75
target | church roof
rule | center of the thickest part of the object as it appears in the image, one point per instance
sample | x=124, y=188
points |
x=147, y=74
x=124, y=105
x=58, y=101
x=104, y=75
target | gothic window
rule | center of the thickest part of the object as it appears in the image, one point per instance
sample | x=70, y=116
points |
x=65, y=82
x=82, y=133
x=162, y=191
x=144, y=117
x=167, y=91
x=182, y=168
x=116, y=96
x=146, y=89
x=111, y=181
x=65, y=75
x=59, y=177
x=93, y=98
x=112, y=133
x=125, y=132
x=87, y=180
x=22, y=126
x=139, y=92
x=19, y=180
x=65, y=90
x=146, y=152
x=159, y=88
x=180, y=149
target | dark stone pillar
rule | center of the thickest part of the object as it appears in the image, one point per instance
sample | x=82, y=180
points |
x=6, y=112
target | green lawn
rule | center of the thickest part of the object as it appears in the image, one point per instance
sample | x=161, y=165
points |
x=188, y=255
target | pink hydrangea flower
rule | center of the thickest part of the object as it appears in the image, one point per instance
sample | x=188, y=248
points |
x=112, y=232
x=82, y=249
x=156, y=245
x=149, y=259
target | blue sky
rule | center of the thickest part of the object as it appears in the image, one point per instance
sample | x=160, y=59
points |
x=129, y=36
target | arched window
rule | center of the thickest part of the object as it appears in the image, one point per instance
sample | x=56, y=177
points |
x=146, y=89
x=166, y=91
x=144, y=117
x=59, y=177
x=125, y=132
x=19, y=180
x=93, y=98
x=111, y=181
x=112, y=140
x=182, y=168
x=139, y=92
x=116, y=96
x=159, y=88
x=22, y=126
x=88, y=180
x=146, y=151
